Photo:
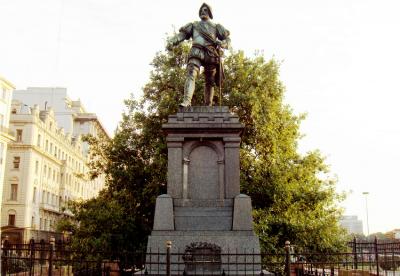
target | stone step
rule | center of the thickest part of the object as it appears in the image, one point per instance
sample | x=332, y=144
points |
x=203, y=218
x=178, y=202
x=203, y=211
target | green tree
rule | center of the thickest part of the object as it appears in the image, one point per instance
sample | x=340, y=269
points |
x=293, y=196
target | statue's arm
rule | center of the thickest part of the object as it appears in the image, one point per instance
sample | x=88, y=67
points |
x=223, y=36
x=184, y=33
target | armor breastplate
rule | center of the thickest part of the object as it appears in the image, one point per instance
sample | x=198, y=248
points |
x=197, y=38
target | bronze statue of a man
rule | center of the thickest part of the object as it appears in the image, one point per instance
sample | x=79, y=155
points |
x=207, y=40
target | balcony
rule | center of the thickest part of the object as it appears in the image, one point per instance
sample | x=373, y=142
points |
x=50, y=208
x=6, y=130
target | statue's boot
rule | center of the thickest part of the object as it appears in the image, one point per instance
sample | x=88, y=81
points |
x=192, y=73
x=208, y=94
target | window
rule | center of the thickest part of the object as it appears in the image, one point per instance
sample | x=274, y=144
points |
x=48, y=197
x=41, y=224
x=45, y=224
x=34, y=195
x=1, y=153
x=4, y=93
x=38, y=140
x=47, y=145
x=49, y=173
x=36, y=167
x=33, y=223
x=14, y=192
x=19, y=135
x=16, y=162
x=11, y=220
x=14, y=111
x=51, y=147
x=1, y=120
x=43, y=195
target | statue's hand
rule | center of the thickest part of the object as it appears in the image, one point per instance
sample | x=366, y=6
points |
x=221, y=44
x=169, y=46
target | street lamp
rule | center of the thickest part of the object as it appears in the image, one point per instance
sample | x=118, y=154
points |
x=366, y=209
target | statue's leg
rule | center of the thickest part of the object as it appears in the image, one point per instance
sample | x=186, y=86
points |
x=210, y=71
x=192, y=73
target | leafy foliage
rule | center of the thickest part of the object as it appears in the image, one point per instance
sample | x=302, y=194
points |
x=293, y=196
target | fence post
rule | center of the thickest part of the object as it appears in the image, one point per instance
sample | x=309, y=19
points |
x=51, y=253
x=376, y=256
x=287, y=259
x=355, y=253
x=168, y=244
x=42, y=252
x=31, y=255
x=4, y=259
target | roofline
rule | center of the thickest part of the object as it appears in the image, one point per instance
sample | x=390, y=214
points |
x=7, y=82
x=91, y=117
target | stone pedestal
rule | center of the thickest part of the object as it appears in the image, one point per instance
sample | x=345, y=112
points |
x=204, y=205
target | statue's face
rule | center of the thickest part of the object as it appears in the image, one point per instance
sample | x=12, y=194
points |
x=204, y=13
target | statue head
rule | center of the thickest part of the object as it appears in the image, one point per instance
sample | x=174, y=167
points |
x=205, y=12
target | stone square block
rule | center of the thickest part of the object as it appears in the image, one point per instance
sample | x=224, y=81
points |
x=242, y=217
x=164, y=213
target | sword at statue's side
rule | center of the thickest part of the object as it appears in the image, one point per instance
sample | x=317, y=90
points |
x=219, y=50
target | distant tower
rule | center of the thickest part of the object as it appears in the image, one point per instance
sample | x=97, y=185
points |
x=352, y=224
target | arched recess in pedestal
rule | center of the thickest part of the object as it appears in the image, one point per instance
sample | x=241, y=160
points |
x=204, y=173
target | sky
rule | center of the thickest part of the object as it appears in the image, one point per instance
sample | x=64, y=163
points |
x=340, y=61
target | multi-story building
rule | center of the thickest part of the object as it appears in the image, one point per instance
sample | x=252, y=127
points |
x=352, y=224
x=47, y=164
x=6, y=137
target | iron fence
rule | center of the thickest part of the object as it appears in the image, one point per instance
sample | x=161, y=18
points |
x=48, y=259
x=376, y=246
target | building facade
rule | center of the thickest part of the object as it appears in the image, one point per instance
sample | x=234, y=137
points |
x=6, y=89
x=352, y=224
x=47, y=163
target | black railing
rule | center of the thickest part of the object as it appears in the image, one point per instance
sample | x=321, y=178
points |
x=379, y=246
x=49, y=259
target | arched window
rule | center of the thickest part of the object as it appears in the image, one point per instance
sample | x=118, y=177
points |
x=11, y=217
